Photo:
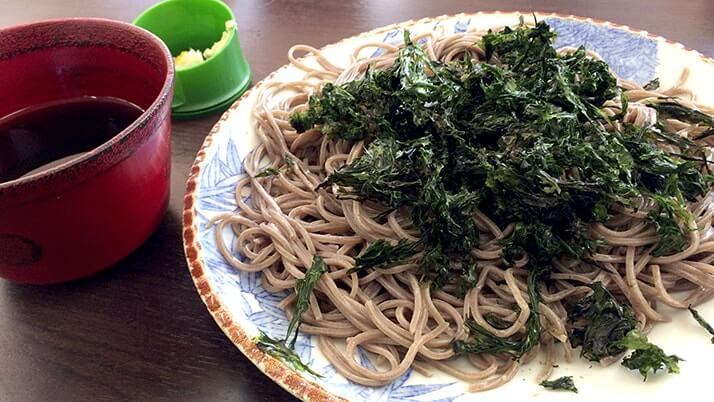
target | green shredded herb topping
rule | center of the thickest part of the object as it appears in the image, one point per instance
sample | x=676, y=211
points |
x=524, y=140
x=268, y=172
x=303, y=290
x=647, y=357
x=483, y=341
x=565, y=383
x=283, y=349
x=604, y=328
x=702, y=322
x=600, y=323
x=278, y=349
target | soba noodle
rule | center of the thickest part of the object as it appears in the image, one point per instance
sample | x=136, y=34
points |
x=388, y=313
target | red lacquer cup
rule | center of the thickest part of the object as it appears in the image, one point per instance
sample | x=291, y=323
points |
x=86, y=214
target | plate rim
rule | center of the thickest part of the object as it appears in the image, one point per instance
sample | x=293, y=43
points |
x=277, y=371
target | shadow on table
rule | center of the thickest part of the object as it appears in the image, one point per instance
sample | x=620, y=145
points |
x=137, y=330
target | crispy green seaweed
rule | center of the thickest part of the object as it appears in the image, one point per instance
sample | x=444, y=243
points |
x=564, y=383
x=283, y=349
x=523, y=140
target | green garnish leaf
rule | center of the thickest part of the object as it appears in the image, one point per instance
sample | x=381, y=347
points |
x=468, y=279
x=381, y=254
x=702, y=322
x=624, y=105
x=496, y=321
x=280, y=348
x=652, y=85
x=482, y=341
x=601, y=323
x=268, y=172
x=288, y=160
x=676, y=110
x=387, y=172
x=280, y=351
x=607, y=328
x=647, y=357
x=303, y=289
x=565, y=383
x=672, y=237
x=541, y=244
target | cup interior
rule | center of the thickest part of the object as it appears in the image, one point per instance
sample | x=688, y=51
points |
x=185, y=24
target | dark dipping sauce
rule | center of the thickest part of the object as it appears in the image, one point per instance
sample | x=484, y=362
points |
x=38, y=135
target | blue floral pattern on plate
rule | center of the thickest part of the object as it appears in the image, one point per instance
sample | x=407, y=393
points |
x=632, y=56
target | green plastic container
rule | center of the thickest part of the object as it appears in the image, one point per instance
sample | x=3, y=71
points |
x=216, y=83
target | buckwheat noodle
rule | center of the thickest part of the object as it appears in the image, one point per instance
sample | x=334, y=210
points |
x=388, y=313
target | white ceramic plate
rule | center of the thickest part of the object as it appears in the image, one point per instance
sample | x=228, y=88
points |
x=241, y=306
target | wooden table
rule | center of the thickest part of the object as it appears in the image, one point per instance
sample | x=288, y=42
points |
x=139, y=330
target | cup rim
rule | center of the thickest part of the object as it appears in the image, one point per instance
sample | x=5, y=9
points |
x=122, y=135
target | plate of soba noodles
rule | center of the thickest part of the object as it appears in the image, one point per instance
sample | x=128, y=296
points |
x=469, y=207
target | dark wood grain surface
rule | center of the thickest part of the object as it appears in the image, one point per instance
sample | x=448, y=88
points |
x=139, y=330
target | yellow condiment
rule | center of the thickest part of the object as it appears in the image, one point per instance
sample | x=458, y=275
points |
x=193, y=57
x=188, y=58
x=230, y=26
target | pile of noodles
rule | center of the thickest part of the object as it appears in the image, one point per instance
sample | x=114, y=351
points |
x=388, y=313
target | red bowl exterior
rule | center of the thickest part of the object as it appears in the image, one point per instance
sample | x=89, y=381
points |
x=85, y=215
